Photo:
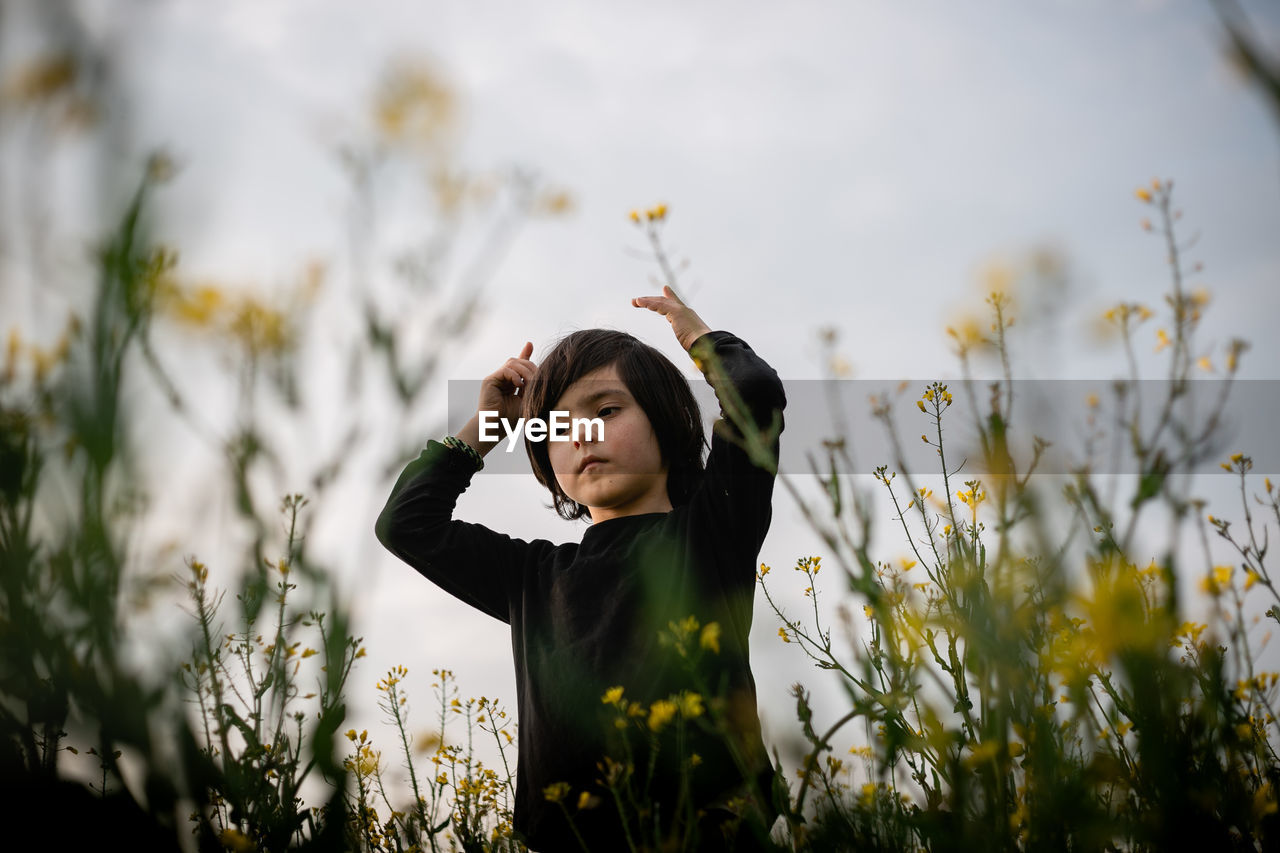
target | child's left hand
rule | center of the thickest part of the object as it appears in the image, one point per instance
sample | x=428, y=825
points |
x=686, y=324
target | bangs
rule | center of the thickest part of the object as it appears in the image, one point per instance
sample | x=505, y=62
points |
x=655, y=383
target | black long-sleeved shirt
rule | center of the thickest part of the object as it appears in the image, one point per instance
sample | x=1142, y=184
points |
x=586, y=617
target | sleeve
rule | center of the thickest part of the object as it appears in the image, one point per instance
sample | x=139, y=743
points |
x=735, y=498
x=469, y=561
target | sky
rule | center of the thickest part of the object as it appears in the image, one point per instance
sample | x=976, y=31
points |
x=859, y=166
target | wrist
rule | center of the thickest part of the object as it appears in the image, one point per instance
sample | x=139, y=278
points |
x=691, y=338
x=458, y=446
x=470, y=435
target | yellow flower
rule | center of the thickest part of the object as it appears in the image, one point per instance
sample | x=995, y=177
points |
x=690, y=705
x=660, y=713
x=261, y=329
x=1143, y=194
x=1190, y=630
x=1217, y=581
x=982, y=752
x=782, y=632
x=555, y=792
x=1250, y=578
x=233, y=839
x=1264, y=802
x=555, y=202
x=710, y=637
x=201, y=307
x=1162, y=339
x=369, y=762
x=612, y=696
x=634, y=216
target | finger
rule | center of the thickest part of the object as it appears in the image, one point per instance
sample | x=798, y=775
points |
x=671, y=294
x=503, y=375
x=525, y=370
x=654, y=303
x=526, y=350
x=514, y=376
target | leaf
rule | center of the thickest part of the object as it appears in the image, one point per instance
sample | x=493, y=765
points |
x=251, y=739
x=1152, y=480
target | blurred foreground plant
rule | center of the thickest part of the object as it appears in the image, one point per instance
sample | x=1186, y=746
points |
x=90, y=686
x=1027, y=676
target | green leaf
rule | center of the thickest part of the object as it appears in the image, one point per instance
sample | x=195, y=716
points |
x=251, y=739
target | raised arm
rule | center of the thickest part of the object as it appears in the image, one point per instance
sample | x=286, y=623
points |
x=469, y=561
x=737, y=490
x=748, y=390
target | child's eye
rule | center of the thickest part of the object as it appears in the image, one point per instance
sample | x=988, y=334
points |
x=606, y=411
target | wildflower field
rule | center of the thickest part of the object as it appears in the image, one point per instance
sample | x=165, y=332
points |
x=1027, y=659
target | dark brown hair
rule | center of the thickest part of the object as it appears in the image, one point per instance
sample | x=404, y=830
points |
x=655, y=383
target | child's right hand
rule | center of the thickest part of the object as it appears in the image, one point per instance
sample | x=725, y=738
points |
x=502, y=390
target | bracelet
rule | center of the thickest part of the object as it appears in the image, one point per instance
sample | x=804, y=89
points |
x=462, y=447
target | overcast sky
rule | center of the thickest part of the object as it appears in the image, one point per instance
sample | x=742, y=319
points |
x=854, y=165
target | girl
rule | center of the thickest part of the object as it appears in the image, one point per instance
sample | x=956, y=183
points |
x=647, y=618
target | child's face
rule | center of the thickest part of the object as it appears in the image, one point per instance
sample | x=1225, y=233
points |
x=629, y=477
